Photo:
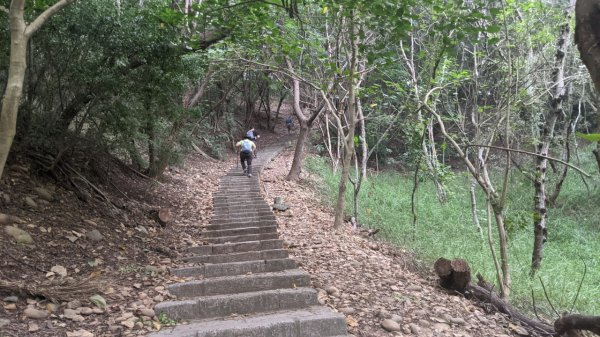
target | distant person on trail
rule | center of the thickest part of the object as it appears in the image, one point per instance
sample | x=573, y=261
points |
x=247, y=150
x=253, y=136
x=289, y=123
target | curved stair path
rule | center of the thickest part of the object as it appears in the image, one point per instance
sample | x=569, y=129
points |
x=245, y=284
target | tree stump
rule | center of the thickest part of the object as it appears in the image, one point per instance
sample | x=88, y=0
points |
x=455, y=274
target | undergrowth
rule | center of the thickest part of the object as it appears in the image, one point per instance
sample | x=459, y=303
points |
x=448, y=230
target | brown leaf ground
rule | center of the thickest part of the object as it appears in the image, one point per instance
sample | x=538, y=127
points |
x=366, y=279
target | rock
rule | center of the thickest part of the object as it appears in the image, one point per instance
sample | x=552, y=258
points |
x=10, y=306
x=396, y=318
x=74, y=304
x=147, y=312
x=60, y=270
x=457, y=320
x=414, y=287
x=11, y=299
x=347, y=310
x=124, y=317
x=128, y=323
x=280, y=207
x=331, y=290
x=35, y=313
x=29, y=202
x=94, y=235
x=80, y=333
x=19, y=235
x=32, y=327
x=441, y=327
x=4, y=322
x=6, y=219
x=414, y=328
x=85, y=311
x=44, y=194
x=390, y=325
x=382, y=313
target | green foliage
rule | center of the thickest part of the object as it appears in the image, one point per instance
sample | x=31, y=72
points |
x=592, y=137
x=165, y=320
x=448, y=230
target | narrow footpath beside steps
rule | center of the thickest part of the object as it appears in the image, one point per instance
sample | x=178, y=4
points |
x=244, y=283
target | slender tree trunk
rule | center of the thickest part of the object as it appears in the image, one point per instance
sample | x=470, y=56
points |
x=294, y=173
x=540, y=198
x=14, y=83
x=20, y=33
x=349, y=137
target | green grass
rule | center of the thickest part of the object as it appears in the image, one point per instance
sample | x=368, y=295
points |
x=448, y=230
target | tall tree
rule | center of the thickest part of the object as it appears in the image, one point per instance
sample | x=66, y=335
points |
x=20, y=33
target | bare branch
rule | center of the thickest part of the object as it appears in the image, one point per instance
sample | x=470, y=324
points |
x=532, y=154
x=42, y=18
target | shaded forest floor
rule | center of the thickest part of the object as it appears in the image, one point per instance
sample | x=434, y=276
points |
x=120, y=252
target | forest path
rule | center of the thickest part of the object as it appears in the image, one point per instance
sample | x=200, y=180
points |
x=241, y=281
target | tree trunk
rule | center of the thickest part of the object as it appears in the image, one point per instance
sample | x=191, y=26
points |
x=587, y=35
x=14, y=83
x=348, y=138
x=19, y=36
x=294, y=173
x=540, y=199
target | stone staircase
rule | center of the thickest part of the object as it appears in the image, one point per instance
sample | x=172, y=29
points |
x=245, y=284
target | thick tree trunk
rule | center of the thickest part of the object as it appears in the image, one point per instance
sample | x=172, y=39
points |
x=547, y=134
x=587, y=35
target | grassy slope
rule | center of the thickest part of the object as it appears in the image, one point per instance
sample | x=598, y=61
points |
x=448, y=230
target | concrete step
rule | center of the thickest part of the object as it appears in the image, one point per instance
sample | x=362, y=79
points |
x=240, y=304
x=242, y=205
x=309, y=322
x=240, y=211
x=238, y=257
x=249, y=222
x=242, y=238
x=237, y=247
x=235, y=268
x=263, y=215
x=239, y=231
x=287, y=279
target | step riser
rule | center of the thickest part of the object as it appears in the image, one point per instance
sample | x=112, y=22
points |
x=240, y=224
x=239, y=257
x=236, y=247
x=242, y=238
x=239, y=231
x=228, y=220
x=241, y=304
x=240, y=268
x=314, y=322
x=237, y=212
x=244, y=284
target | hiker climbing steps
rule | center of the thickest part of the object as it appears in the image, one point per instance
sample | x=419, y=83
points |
x=243, y=282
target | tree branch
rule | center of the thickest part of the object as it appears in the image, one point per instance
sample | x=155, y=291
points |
x=532, y=154
x=42, y=18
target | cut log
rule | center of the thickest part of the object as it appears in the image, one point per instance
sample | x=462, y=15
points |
x=572, y=324
x=162, y=216
x=443, y=269
x=461, y=274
